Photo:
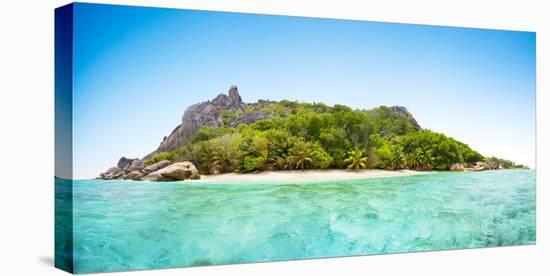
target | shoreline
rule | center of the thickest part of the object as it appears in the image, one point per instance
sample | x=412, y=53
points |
x=304, y=176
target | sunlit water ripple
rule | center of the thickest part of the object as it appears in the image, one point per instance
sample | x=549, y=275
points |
x=124, y=225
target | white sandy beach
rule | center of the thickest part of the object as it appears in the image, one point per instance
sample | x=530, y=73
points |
x=305, y=176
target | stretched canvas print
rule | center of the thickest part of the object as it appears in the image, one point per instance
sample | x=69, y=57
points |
x=193, y=138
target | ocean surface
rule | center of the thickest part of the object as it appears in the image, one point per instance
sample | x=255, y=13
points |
x=125, y=225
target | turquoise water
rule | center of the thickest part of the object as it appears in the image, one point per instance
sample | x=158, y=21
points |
x=124, y=225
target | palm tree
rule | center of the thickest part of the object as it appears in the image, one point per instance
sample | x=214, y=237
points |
x=356, y=159
x=255, y=148
x=278, y=145
x=282, y=162
x=419, y=159
x=299, y=156
x=397, y=159
x=414, y=159
x=219, y=161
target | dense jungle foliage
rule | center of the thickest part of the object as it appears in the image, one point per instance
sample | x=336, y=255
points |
x=300, y=136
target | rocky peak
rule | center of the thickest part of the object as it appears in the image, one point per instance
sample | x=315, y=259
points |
x=199, y=115
x=404, y=112
x=125, y=162
x=234, y=95
x=400, y=110
x=230, y=101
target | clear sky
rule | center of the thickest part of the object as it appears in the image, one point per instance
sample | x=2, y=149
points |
x=137, y=69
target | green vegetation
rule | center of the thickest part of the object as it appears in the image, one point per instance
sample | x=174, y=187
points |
x=301, y=136
x=506, y=164
x=356, y=159
x=162, y=156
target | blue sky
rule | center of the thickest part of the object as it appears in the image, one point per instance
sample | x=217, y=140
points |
x=137, y=69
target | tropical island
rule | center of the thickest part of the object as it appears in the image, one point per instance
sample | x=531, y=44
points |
x=226, y=135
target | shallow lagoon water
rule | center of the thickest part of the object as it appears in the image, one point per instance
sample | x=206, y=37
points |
x=125, y=225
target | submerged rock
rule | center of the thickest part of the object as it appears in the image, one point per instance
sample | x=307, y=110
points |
x=175, y=172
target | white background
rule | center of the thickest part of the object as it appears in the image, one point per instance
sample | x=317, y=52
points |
x=26, y=136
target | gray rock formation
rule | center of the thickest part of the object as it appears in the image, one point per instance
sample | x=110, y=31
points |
x=403, y=112
x=249, y=118
x=124, y=163
x=160, y=171
x=135, y=175
x=483, y=166
x=136, y=165
x=457, y=167
x=199, y=115
x=157, y=166
x=232, y=100
x=175, y=172
x=112, y=173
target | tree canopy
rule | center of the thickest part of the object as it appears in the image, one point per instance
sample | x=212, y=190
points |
x=301, y=136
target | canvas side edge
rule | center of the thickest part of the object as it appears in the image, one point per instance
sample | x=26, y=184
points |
x=64, y=252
